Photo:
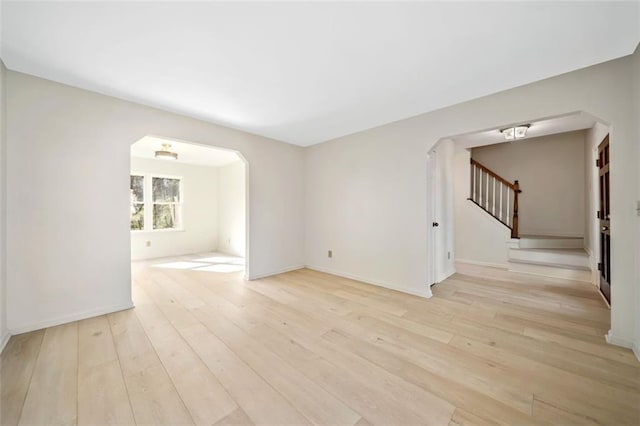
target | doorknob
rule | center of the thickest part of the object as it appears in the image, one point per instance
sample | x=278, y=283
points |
x=435, y=224
x=605, y=228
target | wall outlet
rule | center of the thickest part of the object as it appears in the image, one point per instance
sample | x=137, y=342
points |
x=330, y=253
x=148, y=243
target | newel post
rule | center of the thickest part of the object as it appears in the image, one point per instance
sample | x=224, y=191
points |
x=516, y=191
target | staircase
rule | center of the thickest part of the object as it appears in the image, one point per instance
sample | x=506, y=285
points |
x=495, y=195
x=559, y=257
x=552, y=256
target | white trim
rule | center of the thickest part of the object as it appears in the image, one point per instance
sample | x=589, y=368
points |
x=604, y=299
x=612, y=339
x=427, y=293
x=543, y=233
x=269, y=274
x=4, y=341
x=489, y=264
x=636, y=351
x=71, y=317
x=445, y=275
x=156, y=231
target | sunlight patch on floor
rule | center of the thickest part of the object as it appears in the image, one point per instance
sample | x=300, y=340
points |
x=217, y=263
x=221, y=268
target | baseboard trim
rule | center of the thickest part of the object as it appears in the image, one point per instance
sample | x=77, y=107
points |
x=551, y=265
x=269, y=274
x=446, y=275
x=636, y=351
x=70, y=318
x=525, y=234
x=427, y=293
x=489, y=264
x=4, y=341
x=612, y=339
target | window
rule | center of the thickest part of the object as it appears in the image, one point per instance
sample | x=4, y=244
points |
x=166, y=203
x=156, y=202
x=137, y=203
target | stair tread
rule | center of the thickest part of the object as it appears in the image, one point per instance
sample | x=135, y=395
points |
x=551, y=264
x=578, y=251
x=548, y=237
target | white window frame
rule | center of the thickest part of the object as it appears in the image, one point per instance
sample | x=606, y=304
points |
x=149, y=203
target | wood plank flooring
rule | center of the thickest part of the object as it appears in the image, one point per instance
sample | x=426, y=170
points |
x=491, y=347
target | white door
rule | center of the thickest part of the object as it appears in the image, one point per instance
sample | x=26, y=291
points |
x=433, y=225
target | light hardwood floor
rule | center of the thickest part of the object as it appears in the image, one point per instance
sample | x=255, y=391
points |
x=305, y=347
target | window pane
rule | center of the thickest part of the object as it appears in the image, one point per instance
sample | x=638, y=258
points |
x=137, y=216
x=166, y=190
x=166, y=216
x=137, y=189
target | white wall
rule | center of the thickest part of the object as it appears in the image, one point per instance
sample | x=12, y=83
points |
x=4, y=332
x=592, y=139
x=366, y=193
x=68, y=238
x=479, y=238
x=199, y=231
x=231, y=209
x=551, y=173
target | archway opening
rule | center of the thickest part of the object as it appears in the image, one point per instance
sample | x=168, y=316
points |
x=188, y=207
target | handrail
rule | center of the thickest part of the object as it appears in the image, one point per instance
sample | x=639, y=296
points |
x=492, y=174
x=495, y=195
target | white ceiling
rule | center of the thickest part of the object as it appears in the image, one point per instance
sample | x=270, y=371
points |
x=188, y=153
x=544, y=127
x=309, y=72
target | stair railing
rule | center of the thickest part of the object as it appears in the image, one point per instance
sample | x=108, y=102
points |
x=495, y=195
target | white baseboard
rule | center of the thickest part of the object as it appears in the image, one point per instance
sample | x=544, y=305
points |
x=612, y=339
x=489, y=264
x=446, y=275
x=427, y=293
x=543, y=233
x=70, y=318
x=268, y=274
x=4, y=341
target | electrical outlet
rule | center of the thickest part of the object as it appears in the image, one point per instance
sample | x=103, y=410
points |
x=330, y=253
x=148, y=243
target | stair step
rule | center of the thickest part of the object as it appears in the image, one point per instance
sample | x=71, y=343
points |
x=550, y=271
x=559, y=258
x=550, y=242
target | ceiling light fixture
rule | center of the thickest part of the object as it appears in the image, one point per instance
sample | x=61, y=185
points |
x=516, y=132
x=165, y=154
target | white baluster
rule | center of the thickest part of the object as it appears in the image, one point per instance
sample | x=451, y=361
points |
x=475, y=179
x=494, y=196
x=501, y=190
x=480, y=187
x=508, y=207
x=486, y=198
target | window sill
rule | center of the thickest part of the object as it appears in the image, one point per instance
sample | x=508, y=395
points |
x=157, y=231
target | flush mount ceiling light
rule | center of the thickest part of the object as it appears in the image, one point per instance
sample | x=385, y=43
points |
x=517, y=132
x=165, y=153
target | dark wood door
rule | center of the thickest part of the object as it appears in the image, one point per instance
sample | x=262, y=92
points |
x=605, y=223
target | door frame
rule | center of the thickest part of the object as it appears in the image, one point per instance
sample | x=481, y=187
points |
x=604, y=218
x=433, y=189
